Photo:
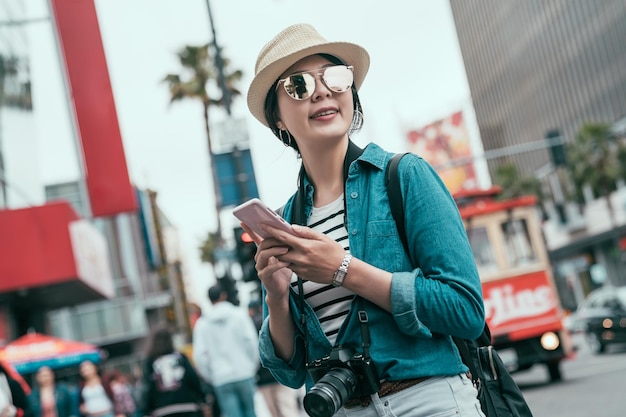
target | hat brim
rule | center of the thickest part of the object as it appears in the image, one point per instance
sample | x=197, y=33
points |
x=349, y=53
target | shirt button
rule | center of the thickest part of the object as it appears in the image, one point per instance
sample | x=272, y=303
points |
x=354, y=232
x=354, y=194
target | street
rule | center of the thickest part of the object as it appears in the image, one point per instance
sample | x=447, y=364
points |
x=593, y=385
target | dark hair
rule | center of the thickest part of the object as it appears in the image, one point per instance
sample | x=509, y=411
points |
x=271, y=108
x=215, y=293
x=161, y=343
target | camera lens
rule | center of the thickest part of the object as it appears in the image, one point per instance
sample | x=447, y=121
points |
x=330, y=392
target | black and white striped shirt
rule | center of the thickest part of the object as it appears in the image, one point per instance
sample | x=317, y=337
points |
x=331, y=304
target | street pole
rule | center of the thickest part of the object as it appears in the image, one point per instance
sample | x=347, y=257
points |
x=219, y=63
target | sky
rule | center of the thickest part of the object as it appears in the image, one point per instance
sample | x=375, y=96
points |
x=416, y=76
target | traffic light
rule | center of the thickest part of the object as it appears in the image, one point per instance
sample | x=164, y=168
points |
x=245, y=251
x=557, y=150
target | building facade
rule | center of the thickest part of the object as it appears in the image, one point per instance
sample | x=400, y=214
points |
x=541, y=69
x=82, y=257
x=536, y=66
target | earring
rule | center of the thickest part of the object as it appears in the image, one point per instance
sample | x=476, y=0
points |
x=282, y=138
x=357, y=121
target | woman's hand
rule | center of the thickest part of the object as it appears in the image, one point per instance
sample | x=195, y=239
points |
x=276, y=278
x=311, y=255
x=274, y=274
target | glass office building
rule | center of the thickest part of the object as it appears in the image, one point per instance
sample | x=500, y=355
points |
x=535, y=66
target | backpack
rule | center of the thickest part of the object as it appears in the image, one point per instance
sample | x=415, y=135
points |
x=498, y=393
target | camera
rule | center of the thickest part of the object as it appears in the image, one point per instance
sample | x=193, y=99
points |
x=341, y=375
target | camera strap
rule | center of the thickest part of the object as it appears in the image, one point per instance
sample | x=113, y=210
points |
x=298, y=217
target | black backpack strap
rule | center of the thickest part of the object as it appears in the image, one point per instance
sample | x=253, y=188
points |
x=394, y=193
x=467, y=357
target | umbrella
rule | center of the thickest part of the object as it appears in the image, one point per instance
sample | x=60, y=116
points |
x=34, y=350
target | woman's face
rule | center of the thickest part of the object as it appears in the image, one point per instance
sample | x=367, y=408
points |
x=325, y=116
x=45, y=376
x=87, y=370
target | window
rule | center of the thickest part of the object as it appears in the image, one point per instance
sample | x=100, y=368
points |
x=481, y=248
x=519, y=250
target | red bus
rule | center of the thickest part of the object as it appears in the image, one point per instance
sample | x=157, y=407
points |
x=521, y=301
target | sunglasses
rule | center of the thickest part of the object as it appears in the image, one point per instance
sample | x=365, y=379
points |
x=301, y=85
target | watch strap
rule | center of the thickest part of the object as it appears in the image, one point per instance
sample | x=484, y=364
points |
x=342, y=271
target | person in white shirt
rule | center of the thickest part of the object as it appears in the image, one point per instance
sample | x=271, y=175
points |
x=225, y=352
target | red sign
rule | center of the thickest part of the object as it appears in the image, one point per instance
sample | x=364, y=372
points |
x=522, y=306
x=108, y=183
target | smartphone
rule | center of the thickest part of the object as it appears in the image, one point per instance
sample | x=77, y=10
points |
x=254, y=212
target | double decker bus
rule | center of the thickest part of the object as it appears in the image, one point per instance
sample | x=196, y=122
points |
x=521, y=301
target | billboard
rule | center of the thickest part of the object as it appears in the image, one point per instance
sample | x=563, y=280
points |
x=445, y=144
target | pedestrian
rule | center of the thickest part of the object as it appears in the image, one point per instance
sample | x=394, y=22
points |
x=281, y=400
x=50, y=398
x=95, y=397
x=172, y=386
x=123, y=401
x=225, y=351
x=13, y=393
x=365, y=324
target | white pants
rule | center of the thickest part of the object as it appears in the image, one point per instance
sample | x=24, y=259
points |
x=452, y=396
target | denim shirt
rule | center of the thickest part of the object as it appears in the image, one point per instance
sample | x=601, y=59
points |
x=435, y=291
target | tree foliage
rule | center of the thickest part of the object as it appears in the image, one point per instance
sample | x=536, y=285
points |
x=198, y=74
x=597, y=159
x=507, y=177
x=208, y=247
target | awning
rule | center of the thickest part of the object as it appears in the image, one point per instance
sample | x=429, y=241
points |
x=34, y=350
x=51, y=258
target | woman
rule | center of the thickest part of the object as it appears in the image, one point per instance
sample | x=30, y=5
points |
x=94, y=394
x=369, y=310
x=123, y=402
x=49, y=399
x=13, y=393
x=172, y=386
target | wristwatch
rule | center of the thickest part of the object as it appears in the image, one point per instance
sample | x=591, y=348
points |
x=340, y=273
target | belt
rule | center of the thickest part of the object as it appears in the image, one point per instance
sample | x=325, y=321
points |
x=386, y=388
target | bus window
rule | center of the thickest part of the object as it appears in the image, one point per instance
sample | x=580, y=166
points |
x=519, y=250
x=481, y=248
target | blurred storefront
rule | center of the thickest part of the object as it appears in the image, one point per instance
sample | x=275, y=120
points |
x=588, y=250
x=84, y=254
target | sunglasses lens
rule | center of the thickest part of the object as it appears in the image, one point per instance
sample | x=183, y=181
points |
x=300, y=86
x=338, y=78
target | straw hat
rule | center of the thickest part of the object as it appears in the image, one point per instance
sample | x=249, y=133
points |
x=289, y=46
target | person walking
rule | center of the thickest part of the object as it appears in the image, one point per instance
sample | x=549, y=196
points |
x=50, y=398
x=225, y=351
x=124, y=404
x=95, y=397
x=364, y=323
x=171, y=385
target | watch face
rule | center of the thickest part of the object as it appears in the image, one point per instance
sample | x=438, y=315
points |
x=338, y=278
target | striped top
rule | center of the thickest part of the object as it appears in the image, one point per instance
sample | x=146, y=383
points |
x=331, y=304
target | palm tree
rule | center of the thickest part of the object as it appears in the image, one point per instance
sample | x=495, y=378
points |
x=507, y=177
x=596, y=160
x=199, y=72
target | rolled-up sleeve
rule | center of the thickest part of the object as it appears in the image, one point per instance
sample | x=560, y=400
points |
x=292, y=373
